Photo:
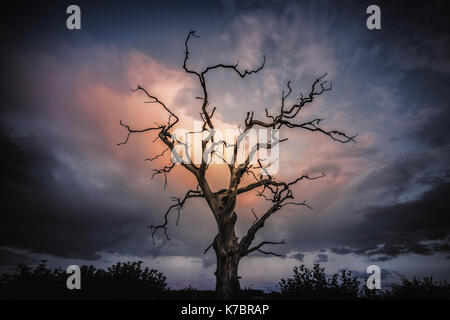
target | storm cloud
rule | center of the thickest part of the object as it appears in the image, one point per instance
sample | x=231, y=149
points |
x=71, y=193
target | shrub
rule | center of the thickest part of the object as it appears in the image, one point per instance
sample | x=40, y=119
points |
x=314, y=284
x=127, y=280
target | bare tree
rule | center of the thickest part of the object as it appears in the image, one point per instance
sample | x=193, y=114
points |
x=229, y=250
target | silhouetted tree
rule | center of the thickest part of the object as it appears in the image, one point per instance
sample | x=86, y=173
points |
x=229, y=250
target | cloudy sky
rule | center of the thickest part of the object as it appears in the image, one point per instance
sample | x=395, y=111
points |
x=71, y=195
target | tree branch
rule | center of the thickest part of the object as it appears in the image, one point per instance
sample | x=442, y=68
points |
x=258, y=248
x=223, y=202
x=130, y=131
x=178, y=206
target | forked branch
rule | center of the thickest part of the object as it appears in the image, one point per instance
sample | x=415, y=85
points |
x=223, y=202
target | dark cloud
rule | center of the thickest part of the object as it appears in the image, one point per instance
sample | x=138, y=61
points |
x=407, y=214
x=26, y=165
x=8, y=258
x=342, y=250
x=321, y=258
x=384, y=252
x=299, y=256
x=434, y=131
x=398, y=176
x=47, y=214
x=47, y=211
x=404, y=228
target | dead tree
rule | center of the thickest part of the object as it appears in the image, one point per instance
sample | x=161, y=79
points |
x=229, y=250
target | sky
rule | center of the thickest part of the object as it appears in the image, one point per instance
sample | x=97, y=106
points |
x=71, y=195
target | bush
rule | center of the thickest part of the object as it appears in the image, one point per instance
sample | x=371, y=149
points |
x=120, y=281
x=416, y=288
x=314, y=284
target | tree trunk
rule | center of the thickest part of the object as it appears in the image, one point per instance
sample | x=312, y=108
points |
x=226, y=246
